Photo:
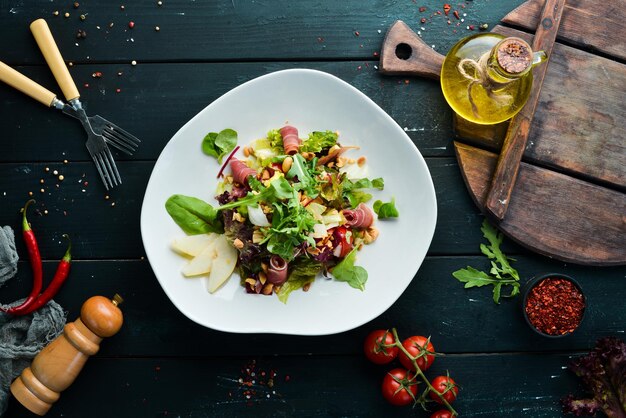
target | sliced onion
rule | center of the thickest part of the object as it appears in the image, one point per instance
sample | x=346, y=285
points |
x=257, y=216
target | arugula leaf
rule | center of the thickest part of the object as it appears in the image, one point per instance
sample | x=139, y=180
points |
x=193, y=215
x=302, y=271
x=346, y=271
x=318, y=141
x=386, y=210
x=291, y=225
x=501, y=272
x=219, y=144
x=301, y=170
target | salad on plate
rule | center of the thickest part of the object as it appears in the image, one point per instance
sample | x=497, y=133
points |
x=291, y=211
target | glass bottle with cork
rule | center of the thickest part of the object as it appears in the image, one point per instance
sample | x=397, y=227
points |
x=487, y=78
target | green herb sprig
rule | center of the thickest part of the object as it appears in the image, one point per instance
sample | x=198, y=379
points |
x=501, y=272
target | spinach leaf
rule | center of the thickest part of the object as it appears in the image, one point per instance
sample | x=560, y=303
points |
x=193, y=215
x=219, y=144
x=346, y=271
x=317, y=141
x=386, y=210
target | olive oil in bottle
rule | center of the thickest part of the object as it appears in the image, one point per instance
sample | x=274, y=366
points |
x=487, y=78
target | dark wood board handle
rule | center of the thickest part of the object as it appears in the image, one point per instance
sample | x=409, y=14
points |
x=405, y=53
x=516, y=137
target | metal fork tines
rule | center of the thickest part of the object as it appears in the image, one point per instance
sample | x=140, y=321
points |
x=105, y=164
x=114, y=135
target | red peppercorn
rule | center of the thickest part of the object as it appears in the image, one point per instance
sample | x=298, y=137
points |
x=422, y=9
x=131, y=24
x=423, y=20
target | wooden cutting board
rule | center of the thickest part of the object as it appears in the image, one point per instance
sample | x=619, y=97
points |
x=569, y=200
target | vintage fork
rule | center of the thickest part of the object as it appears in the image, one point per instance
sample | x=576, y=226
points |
x=96, y=145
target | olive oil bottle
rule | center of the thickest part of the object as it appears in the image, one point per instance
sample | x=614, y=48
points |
x=487, y=78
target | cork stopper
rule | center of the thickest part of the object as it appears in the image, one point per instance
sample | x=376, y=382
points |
x=514, y=55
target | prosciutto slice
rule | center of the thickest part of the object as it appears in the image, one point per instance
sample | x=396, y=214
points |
x=360, y=218
x=241, y=171
x=277, y=271
x=291, y=141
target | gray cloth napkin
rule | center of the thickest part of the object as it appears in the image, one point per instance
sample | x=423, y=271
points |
x=21, y=337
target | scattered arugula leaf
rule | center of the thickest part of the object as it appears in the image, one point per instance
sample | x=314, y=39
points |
x=351, y=189
x=317, y=141
x=501, y=272
x=219, y=144
x=386, y=210
x=346, y=271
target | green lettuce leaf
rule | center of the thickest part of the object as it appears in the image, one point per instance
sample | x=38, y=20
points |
x=302, y=271
x=317, y=141
x=386, y=210
x=346, y=271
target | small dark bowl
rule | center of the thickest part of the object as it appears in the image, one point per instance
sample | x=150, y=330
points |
x=532, y=283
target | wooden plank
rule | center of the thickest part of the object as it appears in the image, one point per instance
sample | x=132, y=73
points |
x=552, y=213
x=595, y=25
x=144, y=105
x=517, y=134
x=329, y=386
x=154, y=327
x=116, y=233
x=227, y=29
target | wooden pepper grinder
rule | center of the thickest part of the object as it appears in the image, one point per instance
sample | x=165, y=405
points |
x=56, y=367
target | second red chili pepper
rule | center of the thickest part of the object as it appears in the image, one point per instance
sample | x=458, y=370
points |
x=63, y=270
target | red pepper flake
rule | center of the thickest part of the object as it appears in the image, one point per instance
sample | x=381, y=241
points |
x=356, y=33
x=471, y=27
x=456, y=14
x=97, y=74
x=423, y=20
x=422, y=9
x=446, y=8
x=555, y=306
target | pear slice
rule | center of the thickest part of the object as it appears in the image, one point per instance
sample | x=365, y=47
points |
x=193, y=245
x=202, y=263
x=223, y=265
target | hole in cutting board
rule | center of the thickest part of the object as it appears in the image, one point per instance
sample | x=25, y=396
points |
x=404, y=51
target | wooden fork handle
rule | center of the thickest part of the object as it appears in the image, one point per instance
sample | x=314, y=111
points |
x=24, y=84
x=53, y=57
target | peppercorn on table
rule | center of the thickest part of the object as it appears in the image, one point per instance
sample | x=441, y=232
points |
x=151, y=66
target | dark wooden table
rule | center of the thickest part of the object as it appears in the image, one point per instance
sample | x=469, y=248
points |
x=161, y=363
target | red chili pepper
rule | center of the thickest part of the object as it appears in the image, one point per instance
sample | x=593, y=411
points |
x=35, y=263
x=63, y=270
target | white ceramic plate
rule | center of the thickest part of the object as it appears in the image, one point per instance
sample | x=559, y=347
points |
x=309, y=100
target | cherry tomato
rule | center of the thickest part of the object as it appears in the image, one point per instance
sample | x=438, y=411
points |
x=421, y=348
x=446, y=386
x=374, y=349
x=343, y=236
x=442, y=413
x=398, y=389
